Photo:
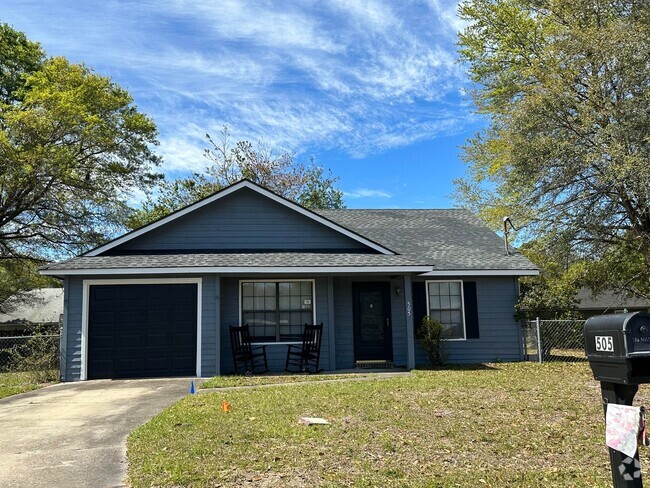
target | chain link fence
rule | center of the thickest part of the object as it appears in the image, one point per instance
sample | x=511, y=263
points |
x=554, y=340
x=36, y=353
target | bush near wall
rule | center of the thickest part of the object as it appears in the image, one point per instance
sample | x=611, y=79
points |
x=431, y=335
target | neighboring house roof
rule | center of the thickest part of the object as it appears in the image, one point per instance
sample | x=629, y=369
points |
x=451, y=239
x=44, y=305
x=429, y=242
x=609, y=300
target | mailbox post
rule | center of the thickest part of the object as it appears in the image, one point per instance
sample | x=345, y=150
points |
x=618, y=350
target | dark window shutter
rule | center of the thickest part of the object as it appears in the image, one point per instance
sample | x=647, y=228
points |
x=471, y=309
x=419, y=303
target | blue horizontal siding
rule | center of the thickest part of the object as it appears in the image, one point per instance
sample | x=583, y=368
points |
x=71, y=367
x=244, y=220
x=499, y=333
x=496, y=296
x=209, y=351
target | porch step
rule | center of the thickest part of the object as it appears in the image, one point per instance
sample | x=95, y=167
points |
x=374, y=364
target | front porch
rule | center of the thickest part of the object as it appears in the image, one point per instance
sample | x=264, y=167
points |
x=367, y=320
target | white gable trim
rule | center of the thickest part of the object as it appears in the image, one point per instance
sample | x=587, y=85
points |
x=225, y=192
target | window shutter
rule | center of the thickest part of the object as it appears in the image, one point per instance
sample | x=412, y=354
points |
x=471, y=309
x=419, y=304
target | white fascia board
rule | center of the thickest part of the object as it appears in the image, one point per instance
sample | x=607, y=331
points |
x=238, y=270
x=483, y=272
x=226, y=192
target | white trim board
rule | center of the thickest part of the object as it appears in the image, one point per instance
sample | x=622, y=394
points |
x=483, y=272
x=227, y=191
x=85, y=304
x=241, y=269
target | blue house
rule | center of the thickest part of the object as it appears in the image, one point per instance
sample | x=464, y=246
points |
x=158, y=301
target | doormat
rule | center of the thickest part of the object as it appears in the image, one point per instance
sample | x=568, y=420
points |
x=374, y=364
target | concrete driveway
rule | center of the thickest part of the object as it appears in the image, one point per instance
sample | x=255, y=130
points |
x=74, y=434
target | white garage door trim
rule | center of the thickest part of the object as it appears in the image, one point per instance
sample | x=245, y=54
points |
x=137, y=281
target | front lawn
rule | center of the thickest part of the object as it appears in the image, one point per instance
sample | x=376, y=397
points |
x=275, y=379
x=502, y=425
x=13, y=383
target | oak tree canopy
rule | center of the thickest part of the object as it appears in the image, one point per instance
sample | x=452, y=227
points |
x=565, y=88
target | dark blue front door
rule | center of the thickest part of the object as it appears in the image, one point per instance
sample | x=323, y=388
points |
x=373, y=339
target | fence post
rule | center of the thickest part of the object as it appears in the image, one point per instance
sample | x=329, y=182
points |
x=524, y=338
x=539, y=339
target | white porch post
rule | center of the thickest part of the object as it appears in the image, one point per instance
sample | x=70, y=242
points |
x=410, y=330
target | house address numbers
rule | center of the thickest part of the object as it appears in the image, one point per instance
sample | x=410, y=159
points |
x=604, y=343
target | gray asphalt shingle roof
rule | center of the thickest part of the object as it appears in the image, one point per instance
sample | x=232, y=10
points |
x=451, y=239
x=43, y=305
x=443, y=240
x=213, y=260
x=608, y=299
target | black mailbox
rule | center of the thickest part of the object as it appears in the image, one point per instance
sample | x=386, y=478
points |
x=618, y=347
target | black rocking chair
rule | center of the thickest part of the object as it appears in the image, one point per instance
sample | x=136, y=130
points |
x=243, y=351
x=305, y=358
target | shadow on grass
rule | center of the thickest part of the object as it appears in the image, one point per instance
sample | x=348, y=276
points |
x=555, y=358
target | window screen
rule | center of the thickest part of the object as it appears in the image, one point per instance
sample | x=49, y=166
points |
x=277, y=311
x=446, y=306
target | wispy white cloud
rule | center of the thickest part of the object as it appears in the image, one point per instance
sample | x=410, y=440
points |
x=362, y=76
x=374, y=16
x=367, y=193
x=134, y=197
x=259, y=23
x=183, y=153
x=447, y=13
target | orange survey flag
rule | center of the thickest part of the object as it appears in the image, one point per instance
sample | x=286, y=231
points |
x=225, y=406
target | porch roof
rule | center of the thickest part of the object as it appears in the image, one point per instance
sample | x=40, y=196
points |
x=258, y=262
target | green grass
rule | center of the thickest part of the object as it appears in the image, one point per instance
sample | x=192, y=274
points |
x=13, y=383
x=504, y=425
x=274, y=379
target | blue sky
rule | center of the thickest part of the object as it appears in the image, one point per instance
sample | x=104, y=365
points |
x=370, y=89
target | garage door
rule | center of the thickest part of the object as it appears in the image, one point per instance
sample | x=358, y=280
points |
x=138, y=331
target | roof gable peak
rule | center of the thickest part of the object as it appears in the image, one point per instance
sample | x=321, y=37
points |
x=235, y=187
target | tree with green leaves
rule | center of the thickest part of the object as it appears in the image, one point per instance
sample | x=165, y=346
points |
x=17, y=277
x=72, y=145
x=552, y=294
x=565, y=86
x=308, y=185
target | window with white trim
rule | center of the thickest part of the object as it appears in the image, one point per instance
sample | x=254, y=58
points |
x=276, y=311
x=445, y=304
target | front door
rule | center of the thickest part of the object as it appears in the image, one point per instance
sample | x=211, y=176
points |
x=373, y=339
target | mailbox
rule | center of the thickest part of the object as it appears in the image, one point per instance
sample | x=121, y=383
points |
x=618, y=347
